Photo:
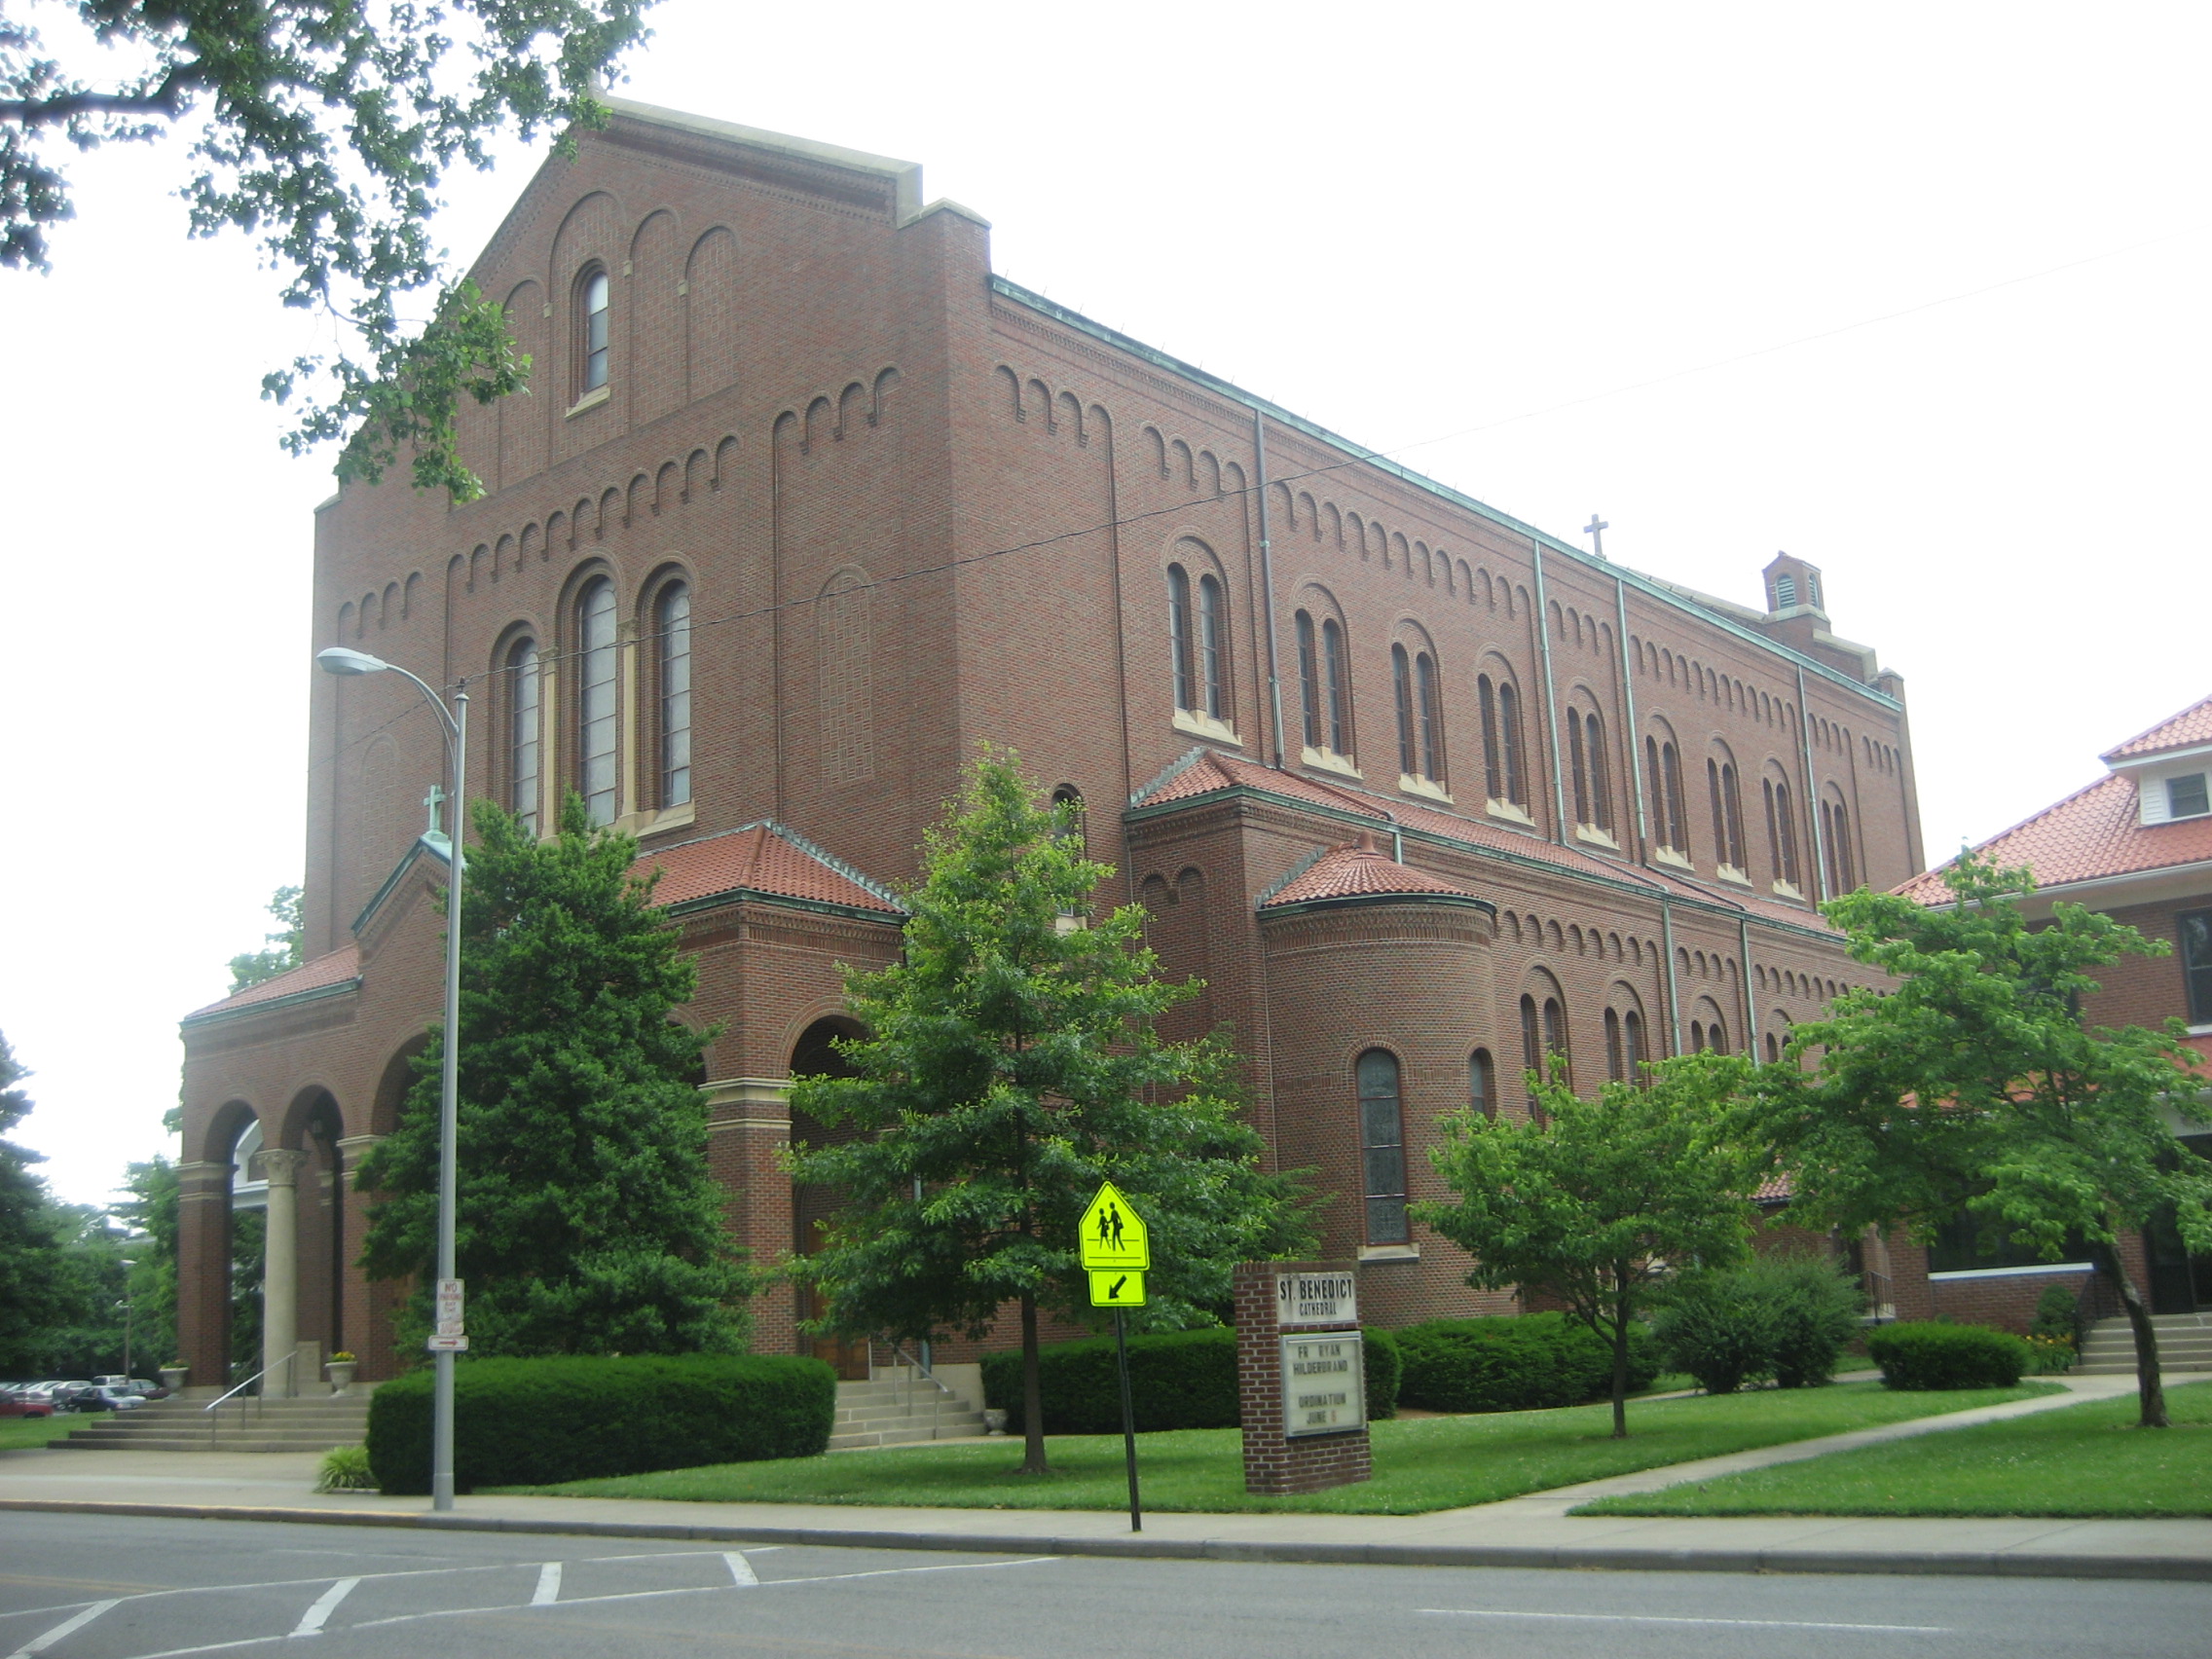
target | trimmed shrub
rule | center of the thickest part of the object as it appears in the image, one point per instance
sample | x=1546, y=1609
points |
x=2058, y=1316
x=1937, y=1355
x=1177, y=1379
x=1787, y=1318
x=538, y=1422
x=1514, y=1363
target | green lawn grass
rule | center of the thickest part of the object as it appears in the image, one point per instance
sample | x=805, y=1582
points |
x=1421, y=1466
x=36, y=1431
x=2086, y=1460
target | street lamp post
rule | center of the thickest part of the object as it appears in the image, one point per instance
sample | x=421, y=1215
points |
x=129, y=1262
x=337, y=659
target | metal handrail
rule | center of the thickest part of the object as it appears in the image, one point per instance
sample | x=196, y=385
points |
x=943, y=1389
x=214, y=1424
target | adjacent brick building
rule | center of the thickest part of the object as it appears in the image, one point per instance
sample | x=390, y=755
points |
x=2135, y=845
x=805, y=501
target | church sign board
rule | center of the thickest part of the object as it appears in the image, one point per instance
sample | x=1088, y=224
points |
x=1301, y=1376
x=1324, y=1384
x=1316, y=1299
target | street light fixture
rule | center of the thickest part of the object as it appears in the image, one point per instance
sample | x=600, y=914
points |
x=337, y=659
x=128, y=1261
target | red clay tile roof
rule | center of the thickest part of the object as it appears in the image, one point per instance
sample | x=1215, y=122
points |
x=2184, y=730
x=1353, y=870
x=2092, y=832
x=332, y=970
x=763, y=857
x=1203, y=771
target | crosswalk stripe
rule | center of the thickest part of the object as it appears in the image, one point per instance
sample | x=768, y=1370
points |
x=312, y=1621
x=548, y=1585
x=740, y=1570
x=47, y=1638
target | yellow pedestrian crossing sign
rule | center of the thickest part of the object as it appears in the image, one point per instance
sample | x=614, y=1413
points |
x=1113, y=1237
x=1114, y=1288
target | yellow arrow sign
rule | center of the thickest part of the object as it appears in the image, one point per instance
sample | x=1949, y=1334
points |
x=1113, y=1236
x=1114, y=1288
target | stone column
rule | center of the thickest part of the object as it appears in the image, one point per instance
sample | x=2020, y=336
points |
x=281, y=1270
x=364, y=1325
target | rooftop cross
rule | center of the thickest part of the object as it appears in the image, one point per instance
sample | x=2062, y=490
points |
x=1596, y=530
x=435, y=800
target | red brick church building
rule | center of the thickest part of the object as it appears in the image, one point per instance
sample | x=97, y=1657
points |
x=805, y=502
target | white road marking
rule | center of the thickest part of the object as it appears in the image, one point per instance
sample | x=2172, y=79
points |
x=1661, y=1618
x=548, y=1585
x=740, y=1570
x=312, y=1621
x=47, y=1638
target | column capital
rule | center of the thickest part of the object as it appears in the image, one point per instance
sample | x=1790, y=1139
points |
x=281, y=1167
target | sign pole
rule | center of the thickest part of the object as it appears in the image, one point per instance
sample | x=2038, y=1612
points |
x=1128, y=1423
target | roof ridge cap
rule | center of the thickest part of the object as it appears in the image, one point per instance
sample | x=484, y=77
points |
x=1295, y=870
x=821, y=855
x=1175, y=769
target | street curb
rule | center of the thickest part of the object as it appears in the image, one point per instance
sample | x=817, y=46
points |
x=1616, y=1557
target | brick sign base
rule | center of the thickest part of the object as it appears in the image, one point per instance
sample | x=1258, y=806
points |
x=1275, y=1462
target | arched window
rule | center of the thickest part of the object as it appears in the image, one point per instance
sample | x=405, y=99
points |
x=1727, y=812
x=1336, y=686
x=1382, y=1148
x=1616, y=1056
x=1631, y=1045
x=1773, y=1049
x=1482, y=1084
x=1555, y=1039
x=1213, y=648
x=1781, y=832
x=1669, y=823
x=1310, y=680
x=1593, y=782
x=596, y=703
x=1180, y=636
x=1531, y=1046
x=1428, y=715
x=593, y=295
x=1402, y=686
x=1835, y=831
x=1502, y=771
x=672, y=628
x=523, y=732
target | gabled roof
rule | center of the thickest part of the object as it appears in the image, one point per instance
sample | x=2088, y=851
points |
x=1358, y=870
x=2092, y=835
x=329, y=973
x=1202, y=772
x=767, y=858
x=2189, y=729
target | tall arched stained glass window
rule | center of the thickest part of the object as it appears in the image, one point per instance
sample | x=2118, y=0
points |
x=1213, y=648
x=1310, y=679
x=596, y=700
x=672, y=627
x=1336, y=686
x=524, y=733
x=1181, y=636
x=1428, y=717
x=596, y=333
x=1382, y=1148
x=1482, y=1084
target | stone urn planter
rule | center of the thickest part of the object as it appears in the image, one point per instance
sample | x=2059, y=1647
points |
x=173, y=1376
x=341, y=1373
x=994, y=1420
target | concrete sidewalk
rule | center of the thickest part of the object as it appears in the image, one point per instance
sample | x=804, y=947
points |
x=1524, y=1531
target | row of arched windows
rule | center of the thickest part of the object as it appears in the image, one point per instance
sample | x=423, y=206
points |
x=1198, y=642
x=593, y=706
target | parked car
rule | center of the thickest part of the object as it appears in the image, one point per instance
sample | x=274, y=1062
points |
x=59, y=1394
x=102, y=1398
x=18, y=1403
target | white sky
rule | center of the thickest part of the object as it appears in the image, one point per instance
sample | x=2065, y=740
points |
x=1917, y=292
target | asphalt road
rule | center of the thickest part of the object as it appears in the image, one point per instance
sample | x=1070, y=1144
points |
x=108, y=1587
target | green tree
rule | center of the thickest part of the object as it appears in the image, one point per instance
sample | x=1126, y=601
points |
x=324, y=129
x=34, y=1283
x=1589, y=1202
x=588, y=1222
x=151, y=1211
x=1012, y=1065
x=283, y=954
x=1973, y=1086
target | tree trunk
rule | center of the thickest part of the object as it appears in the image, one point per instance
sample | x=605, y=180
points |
x=1620, y=1362
x=1032, y=1393
x=2150, y=1387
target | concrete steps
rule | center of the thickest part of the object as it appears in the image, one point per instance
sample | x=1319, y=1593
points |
x=900, y=1407
x=2184, y=1343
x=313, y=1424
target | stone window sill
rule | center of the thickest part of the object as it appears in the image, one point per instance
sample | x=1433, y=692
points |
x=1425, y=788
x=1329, y=760
x=1668, y=856
x=1512, y=814
x=1596, y=836
x=1205, y=725
x=1730, y=873
x=1789, y=890
x=591, y=399
x=1390, y=1252
x=680, y=817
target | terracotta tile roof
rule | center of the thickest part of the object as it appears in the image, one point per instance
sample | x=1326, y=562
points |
x=1356, y=868
x=2184, y=730
x=763, y=857
x=2092, y=834
x=1774, y=1189
x=332, y=970
x=1203, y=771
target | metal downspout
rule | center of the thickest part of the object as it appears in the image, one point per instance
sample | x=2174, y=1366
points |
x=1267, y=583
x=1673, y=995
x=1744, y=961
x=1812, y=792
x=1551, y=701
x=1634, y=743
